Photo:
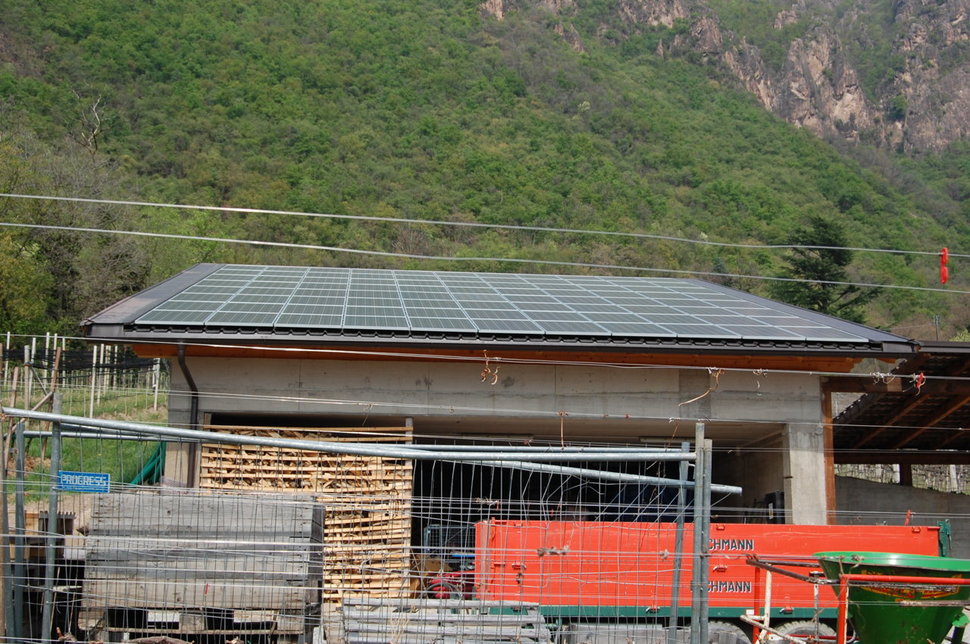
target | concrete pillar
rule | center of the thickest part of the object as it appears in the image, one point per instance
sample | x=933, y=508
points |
x=178, y=462
x=804, y=471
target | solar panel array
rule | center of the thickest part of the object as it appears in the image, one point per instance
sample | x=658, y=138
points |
x=281, y=298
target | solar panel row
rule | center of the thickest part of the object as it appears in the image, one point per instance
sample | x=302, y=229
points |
x=414, y=301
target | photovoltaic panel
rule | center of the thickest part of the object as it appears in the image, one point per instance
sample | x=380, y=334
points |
x=264, y=299
x=643, y=329
x=249, y=307
x=495, y=314
x=647, y=310
x=443, y=324
x=592, y=308
x=824, y=334
x=431, y=312
x=375, y=311
x=308, y=321
x=243, y=319
x=762, y=332
x=341, y=300
x=175, y=317
x=315, y=299
x=505, y=326
x=211, y=290
x=608, y=318
x=672, y=318
x=364, y=321
x=624, y=300
x=180, y=305
x=557, y=316
x=582, y=299
x=313, y=309
x=699, y=331
x=575, y=327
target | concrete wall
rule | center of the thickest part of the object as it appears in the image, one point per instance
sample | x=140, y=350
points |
x=759, y=471
x=449, y=389
x=738, y=407
x=865, y=502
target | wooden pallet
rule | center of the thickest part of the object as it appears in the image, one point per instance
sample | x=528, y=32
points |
x=246, y=467
x=367, y=500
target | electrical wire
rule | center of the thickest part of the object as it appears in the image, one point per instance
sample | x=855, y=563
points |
x=469, y=224
x=500, y=359
x=445, y=258
x=372, y=406
x=505, y=359
x=748, y=449
x=548, y=414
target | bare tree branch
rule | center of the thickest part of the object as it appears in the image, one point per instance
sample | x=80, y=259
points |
x=90, y=125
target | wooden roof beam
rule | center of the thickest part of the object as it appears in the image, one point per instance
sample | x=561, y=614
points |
x=862, y=385
x=912, y=404
x=933, y=421
x=898, y=385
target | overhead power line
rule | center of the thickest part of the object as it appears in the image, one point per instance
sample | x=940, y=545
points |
x=376, y=406
x=444, y=258
x=499, y=359
x=473, y=224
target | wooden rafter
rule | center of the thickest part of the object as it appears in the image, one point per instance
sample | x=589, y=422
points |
x=888, y=423
x=933, y=421
x=934, y=387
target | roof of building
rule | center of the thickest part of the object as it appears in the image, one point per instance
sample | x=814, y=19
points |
x=923, y=404
x=313, y=305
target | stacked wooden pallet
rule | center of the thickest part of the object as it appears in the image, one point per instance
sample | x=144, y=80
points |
x=367, y=500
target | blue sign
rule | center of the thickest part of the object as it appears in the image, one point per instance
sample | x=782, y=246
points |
x=83, y=482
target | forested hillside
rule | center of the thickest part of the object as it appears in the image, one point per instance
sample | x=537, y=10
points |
x=426, y=110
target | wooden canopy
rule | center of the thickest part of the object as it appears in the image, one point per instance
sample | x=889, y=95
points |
x=918, y=413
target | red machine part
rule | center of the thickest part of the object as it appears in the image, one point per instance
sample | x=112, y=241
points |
x=567, y=563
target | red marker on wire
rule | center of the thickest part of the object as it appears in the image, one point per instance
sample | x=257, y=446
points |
x=944, y=269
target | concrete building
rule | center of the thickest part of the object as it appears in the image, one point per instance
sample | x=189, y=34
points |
x=525, y=357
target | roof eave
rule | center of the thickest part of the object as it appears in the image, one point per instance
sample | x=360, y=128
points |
x=119, y=333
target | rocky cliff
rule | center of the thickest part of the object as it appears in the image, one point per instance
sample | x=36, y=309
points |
x=888, y=72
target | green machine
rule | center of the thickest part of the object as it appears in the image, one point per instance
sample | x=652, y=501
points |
x=900, y=598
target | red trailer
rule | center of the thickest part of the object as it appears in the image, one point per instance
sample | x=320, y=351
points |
x=592, y=571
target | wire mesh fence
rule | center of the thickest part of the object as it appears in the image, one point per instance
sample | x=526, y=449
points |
x=375, y=537
x=100, y=379
x=287, y=544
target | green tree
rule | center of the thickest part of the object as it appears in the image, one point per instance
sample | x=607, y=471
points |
x=25, y=287
x=817, y=265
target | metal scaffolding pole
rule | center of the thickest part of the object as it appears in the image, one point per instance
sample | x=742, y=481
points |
x=678, y=552
x=53, y=527
x=498, y=456
x=700, y=609
x=19, y=563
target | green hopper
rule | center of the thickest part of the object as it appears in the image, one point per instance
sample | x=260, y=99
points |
x=900, y=598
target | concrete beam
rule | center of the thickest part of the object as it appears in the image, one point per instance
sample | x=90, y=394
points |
x=252, y=385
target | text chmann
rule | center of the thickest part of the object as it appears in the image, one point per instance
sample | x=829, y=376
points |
x=732, y=545
x=729, y=587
